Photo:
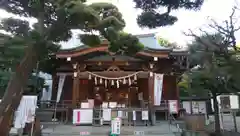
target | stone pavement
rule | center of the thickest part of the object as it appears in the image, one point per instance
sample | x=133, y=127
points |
x=163, y=129
x=228, y=122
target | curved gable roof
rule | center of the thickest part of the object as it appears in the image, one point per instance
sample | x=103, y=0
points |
x=152, y=48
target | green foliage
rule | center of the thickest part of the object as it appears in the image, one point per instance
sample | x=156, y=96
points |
x=34, y=86
x=215, y=69
x=126, y=44
x=202, y=48
x=109, y=26
x=16, y=26
x=163, y=42
x=109, y=16
x=12, y=51
x=56, y=19
x=90, y=40
x=152, y=16
x=59, y=17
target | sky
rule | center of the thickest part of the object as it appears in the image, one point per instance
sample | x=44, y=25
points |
x=218, y=10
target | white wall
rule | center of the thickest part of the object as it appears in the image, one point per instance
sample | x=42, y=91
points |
x=234, y=101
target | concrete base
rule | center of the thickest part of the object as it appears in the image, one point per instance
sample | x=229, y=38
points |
x=153, y=118
x=16, y=132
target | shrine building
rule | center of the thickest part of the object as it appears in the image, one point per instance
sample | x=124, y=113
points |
x=145, y=81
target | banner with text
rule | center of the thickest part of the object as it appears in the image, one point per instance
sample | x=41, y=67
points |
x=60, y=87
x=158, y=87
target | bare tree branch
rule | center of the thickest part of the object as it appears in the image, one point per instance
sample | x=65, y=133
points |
x=198, y=38
x=228, y=29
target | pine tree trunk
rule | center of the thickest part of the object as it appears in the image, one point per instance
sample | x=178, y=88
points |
x=15, y=89
x=216, y=116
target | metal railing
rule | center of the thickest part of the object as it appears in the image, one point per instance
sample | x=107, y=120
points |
x=68, y=103
x=54, y=104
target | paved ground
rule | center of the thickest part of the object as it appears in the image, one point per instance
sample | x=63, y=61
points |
x=163, y=129
x=228, y=122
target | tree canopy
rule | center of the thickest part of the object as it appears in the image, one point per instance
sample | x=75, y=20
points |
x=166, y=43
x=157, y=13
x=59, y=17
x=214, y=64
x=216, y=70
x=56, y=19
x=12, y=51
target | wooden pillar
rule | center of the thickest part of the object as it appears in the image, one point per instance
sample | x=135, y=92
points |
x=178, y=98
x=151, y=99
x=75, y=90
x=74, y=96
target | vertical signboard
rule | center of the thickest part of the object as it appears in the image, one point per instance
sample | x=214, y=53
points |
x=116, y=126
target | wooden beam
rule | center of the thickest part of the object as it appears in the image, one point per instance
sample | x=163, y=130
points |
x=154, y=54
x=110, y=74
x=77, y=53
x=82, y=52
x=109, y=63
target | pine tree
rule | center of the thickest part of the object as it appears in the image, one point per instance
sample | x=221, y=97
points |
x=56, y=19
x=157, y=13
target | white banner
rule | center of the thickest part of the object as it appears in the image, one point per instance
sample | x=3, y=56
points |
x=60, y=87
x=26, y=111
x=158, y=87
x=173, y=106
